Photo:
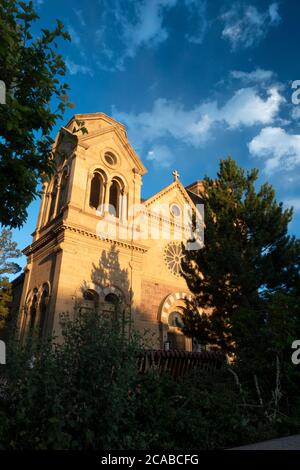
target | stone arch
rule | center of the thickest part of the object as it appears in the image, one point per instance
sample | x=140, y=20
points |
x=114, y=305
x=121, y=178
x=170, y=302
x=113, y=290
x=117, y=200
x=97, y=187
x=171, y=335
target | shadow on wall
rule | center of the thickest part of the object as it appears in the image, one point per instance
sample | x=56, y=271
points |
x=110, y=292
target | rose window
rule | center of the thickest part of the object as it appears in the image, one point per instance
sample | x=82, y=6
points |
x=173, y=256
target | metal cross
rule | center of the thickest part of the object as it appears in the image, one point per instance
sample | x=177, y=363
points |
x=176, y=175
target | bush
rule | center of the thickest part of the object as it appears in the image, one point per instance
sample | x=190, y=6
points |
x=87, y=393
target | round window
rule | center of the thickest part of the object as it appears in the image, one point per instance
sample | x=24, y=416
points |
x=175, y=210
x=110, y=158
x=173, y=256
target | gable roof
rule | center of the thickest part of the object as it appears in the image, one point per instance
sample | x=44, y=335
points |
x=111, y=126
x=167, y=189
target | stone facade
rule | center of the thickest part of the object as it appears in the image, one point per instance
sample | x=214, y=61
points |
x=91, y=250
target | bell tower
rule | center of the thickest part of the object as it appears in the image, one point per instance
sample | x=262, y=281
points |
x=96, y=173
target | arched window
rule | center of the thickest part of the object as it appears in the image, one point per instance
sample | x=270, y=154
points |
x=114, y=198
x=112, y=299
x=97, y=190
x=91, y=300
x=43, y=309
x=90, y=295
x=33, y=310
x=63, y=191
x=53, y=199
x=113, y=306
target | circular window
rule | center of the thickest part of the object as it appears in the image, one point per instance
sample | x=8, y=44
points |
x=175, y=210
x=173, y=256
x=110, y=158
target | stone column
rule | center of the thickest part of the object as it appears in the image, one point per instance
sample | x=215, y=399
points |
x=107, y=186
x=43, y=206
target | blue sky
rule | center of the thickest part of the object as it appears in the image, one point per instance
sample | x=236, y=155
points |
x=193, y=81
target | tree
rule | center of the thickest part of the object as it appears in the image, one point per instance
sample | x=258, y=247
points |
x=247, y=258
x=8, y=251
x=31, y=70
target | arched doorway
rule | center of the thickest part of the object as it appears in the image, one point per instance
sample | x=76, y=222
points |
x=170, y=318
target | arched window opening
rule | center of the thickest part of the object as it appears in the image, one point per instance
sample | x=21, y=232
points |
x=114, y=308
x=53, y=199
x=43, y=309
x=63, y=191
x=90, y=295
x=112, y=299
x=33, y=311
x=114, y=198
x=90, y=300
x=97, y=190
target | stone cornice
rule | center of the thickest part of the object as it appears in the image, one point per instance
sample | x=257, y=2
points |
x=58, y=233
x=166, y=190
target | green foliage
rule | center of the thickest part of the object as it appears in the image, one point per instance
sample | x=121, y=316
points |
x=248, y=257
x=86, y=393
x=76, y=395
x=8, y=251
x=246, y=281
x=32, y=70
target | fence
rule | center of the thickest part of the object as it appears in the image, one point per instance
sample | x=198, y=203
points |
x=178, y=363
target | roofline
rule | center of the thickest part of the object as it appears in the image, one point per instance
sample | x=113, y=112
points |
x=92, y=116
x=169, y=186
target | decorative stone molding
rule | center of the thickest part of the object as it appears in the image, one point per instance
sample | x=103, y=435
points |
x=171, y=301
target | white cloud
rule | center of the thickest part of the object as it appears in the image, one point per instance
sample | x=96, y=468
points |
x=194, y=126
x=247, y=108
x=293, y=202
x=74, y=68
x=160, y=156
x=245, y=26
x=79, y=14
x=256, y=76
x=75, y=37
x=197, y=11
x=296, y=112
x=280, y=150
x=131, y=25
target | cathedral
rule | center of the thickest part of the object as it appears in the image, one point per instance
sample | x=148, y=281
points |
x=98, y=244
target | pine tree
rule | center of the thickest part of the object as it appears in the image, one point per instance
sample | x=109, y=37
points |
x=247, y=257
x=8, y=251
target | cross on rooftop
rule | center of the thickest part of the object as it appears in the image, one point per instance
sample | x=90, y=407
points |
x=176, y=175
